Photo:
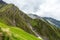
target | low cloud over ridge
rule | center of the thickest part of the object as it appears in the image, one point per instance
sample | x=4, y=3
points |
x=46, y=8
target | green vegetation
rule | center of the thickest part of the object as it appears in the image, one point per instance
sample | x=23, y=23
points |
x=46, y=30
x=19, y=25
x=14, y=33
x=16, y=19
x=13, y=18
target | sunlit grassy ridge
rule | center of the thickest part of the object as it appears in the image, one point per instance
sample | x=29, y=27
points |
x=14, y=33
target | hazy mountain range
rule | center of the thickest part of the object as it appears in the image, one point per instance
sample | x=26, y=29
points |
x=49, y=19
x=17, y=25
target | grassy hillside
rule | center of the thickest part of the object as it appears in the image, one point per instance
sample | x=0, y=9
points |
x=13, y=17
x=14, y=33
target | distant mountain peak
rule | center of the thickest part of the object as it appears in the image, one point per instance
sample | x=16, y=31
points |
x=2, y=2
x=34, y=16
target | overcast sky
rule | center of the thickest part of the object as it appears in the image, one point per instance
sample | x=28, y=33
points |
x=45, y=8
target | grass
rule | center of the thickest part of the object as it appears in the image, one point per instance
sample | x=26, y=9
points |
x=15, y=33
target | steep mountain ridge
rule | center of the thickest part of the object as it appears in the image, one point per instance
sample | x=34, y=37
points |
x=13, y=17
x=2, y=3
x=49, y=19
x=47, y=30
x=54, y=21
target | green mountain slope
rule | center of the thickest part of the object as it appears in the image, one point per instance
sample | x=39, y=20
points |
x=13, y=17
x=14, y=33
x=45, y=29
x=10, y=15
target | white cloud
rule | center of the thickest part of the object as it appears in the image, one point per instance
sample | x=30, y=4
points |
x=51, y=8
x=26, y=5
x=47, y=8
